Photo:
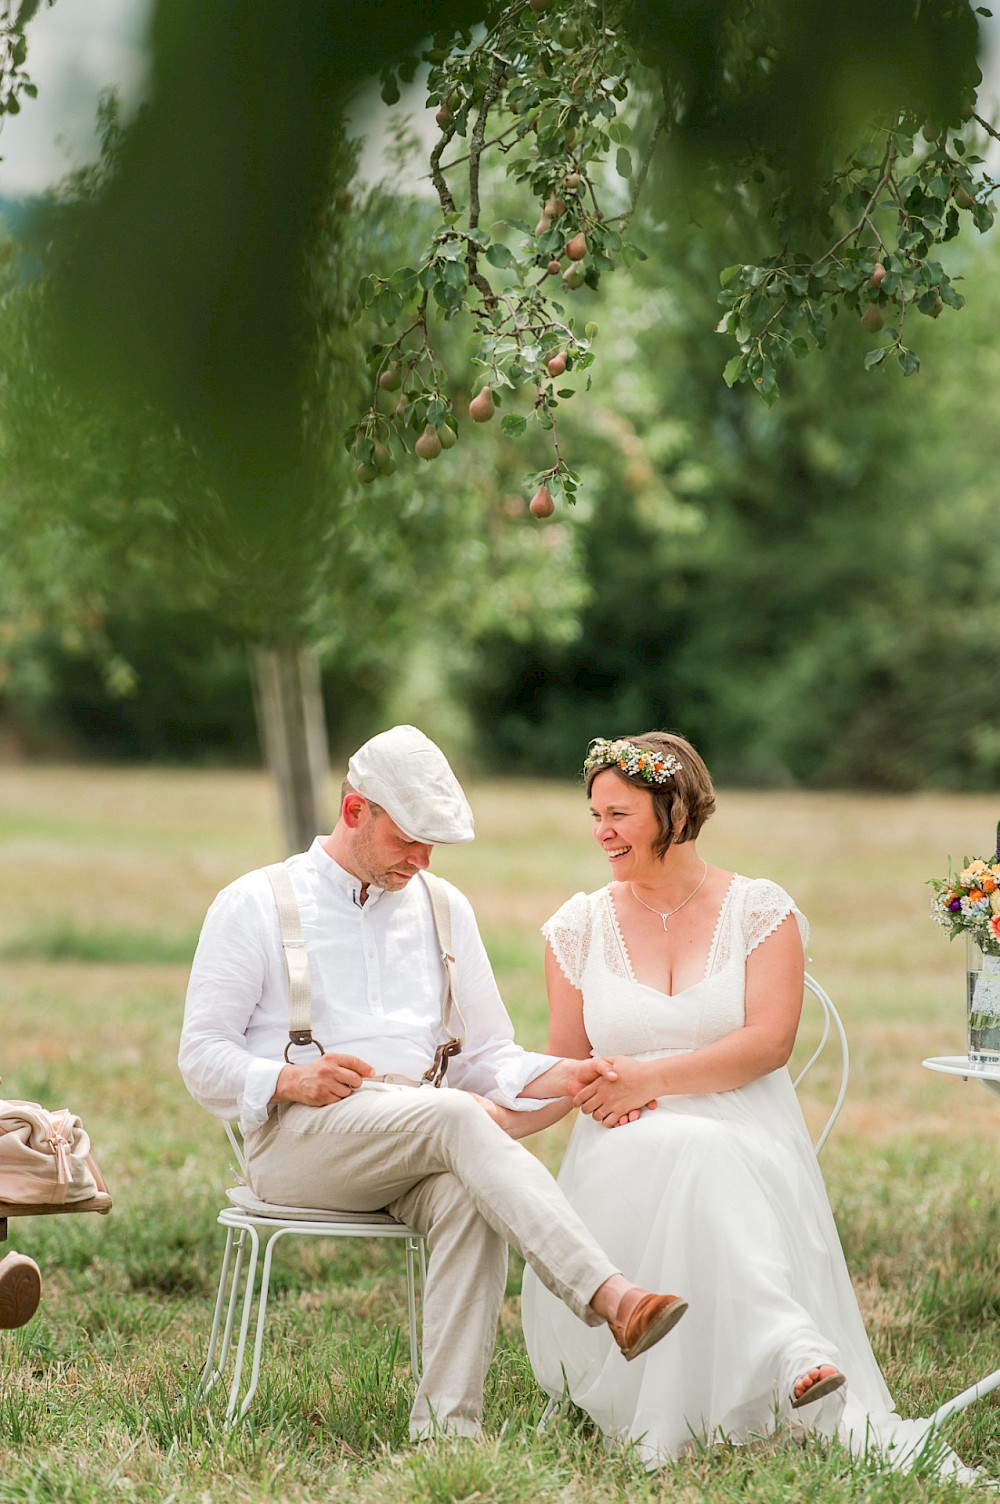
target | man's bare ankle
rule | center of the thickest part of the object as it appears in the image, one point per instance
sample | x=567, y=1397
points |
x=610, y=1298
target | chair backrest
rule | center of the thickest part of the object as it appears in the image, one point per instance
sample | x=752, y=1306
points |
x=236, y=1144
x=831, y=1025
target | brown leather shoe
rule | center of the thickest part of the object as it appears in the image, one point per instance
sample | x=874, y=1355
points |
x=20, y=1289
x=652, y=1317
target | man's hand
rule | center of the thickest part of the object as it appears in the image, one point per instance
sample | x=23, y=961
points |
x=317, y=1083
x=492, y=1109
x=615, y=1096
x=569, y=1077
x=520, y=1124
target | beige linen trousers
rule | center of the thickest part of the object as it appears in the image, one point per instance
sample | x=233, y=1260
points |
x=436, y=1160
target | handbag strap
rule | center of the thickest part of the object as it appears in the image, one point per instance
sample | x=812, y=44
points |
x=296, y=961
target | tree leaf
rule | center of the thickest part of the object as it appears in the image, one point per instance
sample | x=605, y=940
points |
x=869, y=155
x=513, y=425
x=389, y=305
x=499, y=255
x=733, y=370
x=875, y=357
x=623, y=163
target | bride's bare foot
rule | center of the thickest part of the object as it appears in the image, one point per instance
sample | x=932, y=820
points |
x=816, y=1384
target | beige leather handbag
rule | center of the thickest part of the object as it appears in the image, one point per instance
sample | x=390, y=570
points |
x=45, y=1161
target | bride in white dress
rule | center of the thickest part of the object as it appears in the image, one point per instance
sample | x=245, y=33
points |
x=689, y=979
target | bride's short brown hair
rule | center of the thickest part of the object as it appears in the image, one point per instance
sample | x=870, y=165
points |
x=683, y=802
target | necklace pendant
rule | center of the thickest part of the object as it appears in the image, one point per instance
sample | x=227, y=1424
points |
x=663, y=917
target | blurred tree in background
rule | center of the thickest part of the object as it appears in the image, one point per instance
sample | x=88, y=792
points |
x=810, y=590
x=118, y=539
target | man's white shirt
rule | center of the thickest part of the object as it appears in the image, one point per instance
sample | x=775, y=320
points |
x=378, y=985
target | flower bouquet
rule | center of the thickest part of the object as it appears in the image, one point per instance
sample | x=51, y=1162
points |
x=968, y=904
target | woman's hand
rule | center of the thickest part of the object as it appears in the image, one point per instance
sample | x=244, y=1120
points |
x=618, y=1100
x=633, y=1116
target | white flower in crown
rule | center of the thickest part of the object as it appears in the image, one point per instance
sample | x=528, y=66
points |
x=640, y=762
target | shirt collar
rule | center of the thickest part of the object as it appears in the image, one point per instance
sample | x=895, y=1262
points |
x=345, y=882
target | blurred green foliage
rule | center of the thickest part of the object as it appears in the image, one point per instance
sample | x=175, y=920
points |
x=120, y=545
x=811, y=592
x=857, y=198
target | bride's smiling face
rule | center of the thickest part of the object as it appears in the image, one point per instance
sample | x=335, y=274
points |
x=625, y=825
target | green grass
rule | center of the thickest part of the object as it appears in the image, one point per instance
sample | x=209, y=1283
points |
x=68, y=942
x=104, y=880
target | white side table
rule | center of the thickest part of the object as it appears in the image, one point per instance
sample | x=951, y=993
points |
x=988, y=1076
x=960, y=1065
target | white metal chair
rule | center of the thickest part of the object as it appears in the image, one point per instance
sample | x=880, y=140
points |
x=831, y=1023
x=246, y=1221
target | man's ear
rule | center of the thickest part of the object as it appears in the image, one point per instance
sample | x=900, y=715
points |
x=352, y=809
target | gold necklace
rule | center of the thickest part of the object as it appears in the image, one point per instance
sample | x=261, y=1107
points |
x=670, y=912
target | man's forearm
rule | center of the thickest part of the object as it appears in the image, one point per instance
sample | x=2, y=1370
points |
x=560, y=1079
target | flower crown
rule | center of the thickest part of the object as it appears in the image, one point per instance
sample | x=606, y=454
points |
x=652, y=767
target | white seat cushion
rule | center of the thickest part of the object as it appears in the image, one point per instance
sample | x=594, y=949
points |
x=242, y=1197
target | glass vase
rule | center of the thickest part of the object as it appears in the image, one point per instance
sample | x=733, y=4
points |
x=983, y=996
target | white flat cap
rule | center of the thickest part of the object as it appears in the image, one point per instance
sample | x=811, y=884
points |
x=403, y=771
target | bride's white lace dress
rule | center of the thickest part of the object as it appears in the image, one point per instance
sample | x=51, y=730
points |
x=718, y=1198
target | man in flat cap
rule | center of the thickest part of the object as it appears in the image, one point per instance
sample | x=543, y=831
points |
x=348, y=1120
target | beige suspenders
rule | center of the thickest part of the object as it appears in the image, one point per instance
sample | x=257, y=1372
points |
x=296, y=961
x=441, y=910
x=300, y=988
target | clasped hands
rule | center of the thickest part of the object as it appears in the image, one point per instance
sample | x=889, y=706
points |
x=617, y=1091
x=613, y=1091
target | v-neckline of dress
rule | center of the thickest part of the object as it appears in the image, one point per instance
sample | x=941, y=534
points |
x=708, y=959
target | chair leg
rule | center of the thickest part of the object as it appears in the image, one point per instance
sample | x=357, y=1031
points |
x=966, y=1398
x=414, y=1246
x=551, y=1409
x=234, y=1292
x=248, y=1293
x=265, y=1286
x=210, y=1373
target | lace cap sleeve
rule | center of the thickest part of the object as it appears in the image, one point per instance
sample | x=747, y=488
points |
x=568, y=933
x=765, y=906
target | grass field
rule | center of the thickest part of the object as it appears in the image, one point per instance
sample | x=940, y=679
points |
x=104, y=878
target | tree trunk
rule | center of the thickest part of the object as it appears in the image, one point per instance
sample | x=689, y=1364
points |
x=288, y=699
